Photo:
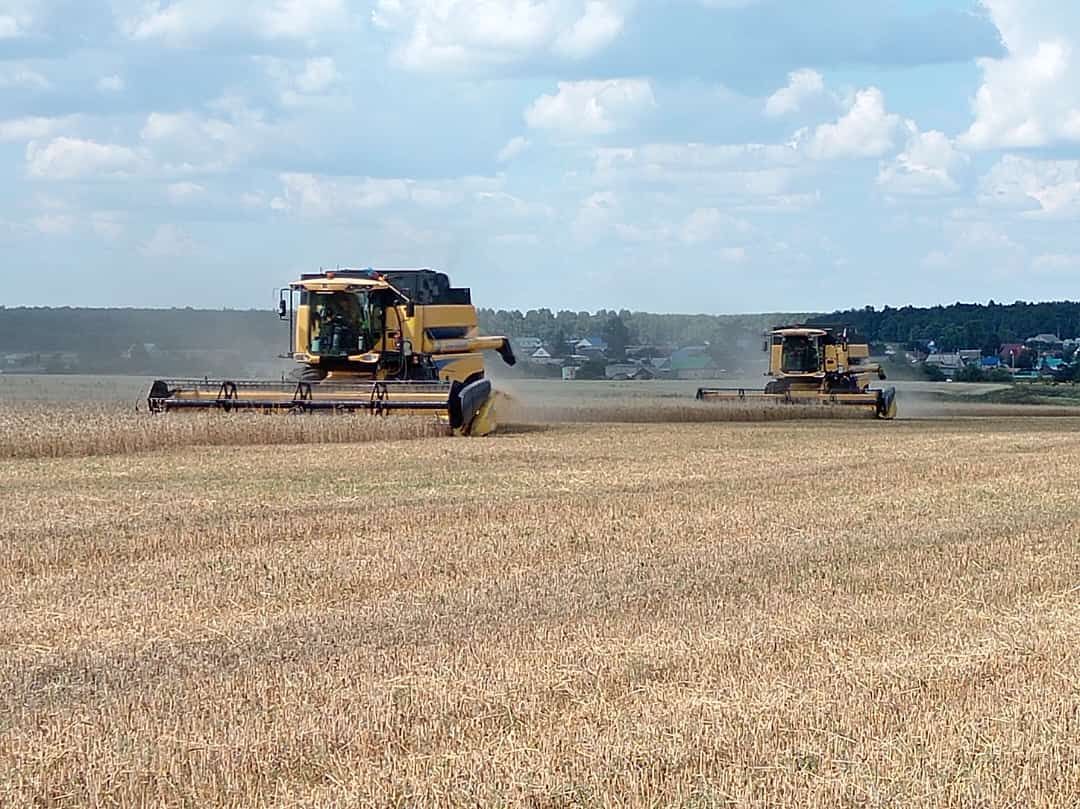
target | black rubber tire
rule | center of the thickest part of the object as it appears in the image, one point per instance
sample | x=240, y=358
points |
x=307, y=373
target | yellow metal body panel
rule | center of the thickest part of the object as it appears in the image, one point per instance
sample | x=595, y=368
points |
x=458, y=358
x=834, y=358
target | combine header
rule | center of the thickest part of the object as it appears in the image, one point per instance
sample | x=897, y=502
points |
x=816, y=366
x=376, y=341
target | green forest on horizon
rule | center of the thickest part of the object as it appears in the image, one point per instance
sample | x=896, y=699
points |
x=108, y=332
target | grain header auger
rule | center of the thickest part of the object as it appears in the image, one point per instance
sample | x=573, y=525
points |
x=812, y=365
x=392, y=341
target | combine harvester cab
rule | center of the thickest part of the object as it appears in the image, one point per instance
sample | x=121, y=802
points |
x=385, y=342
x=816, y=366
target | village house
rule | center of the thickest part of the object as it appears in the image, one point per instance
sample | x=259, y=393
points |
x=693, y=362
x=525, y=346
x=543, y=357
x=955, y=360
x=590, y=346
x=1010, y=353
x=628, y=370
x=1045, y=343
x=1052, y=367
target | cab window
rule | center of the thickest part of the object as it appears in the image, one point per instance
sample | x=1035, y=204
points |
x=800, y=355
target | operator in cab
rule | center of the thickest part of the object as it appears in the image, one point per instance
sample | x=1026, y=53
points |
x=800, y=355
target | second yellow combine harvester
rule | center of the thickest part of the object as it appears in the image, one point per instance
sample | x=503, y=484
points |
x=812, y=365
x=396, y=341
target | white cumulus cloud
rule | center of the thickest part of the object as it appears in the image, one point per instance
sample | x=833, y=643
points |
x=513, y=148
x=1031, y=96
x=194, y=141
x=600, y=24
x=184, y=191
x=73, y=158
x=301, y=19
x=54, y=224
x=592, y=107
x=744, y=177
x=597, y=213
x=300, y=83
x=31, y=128
x=20, y=77
x=865, y=130
x=1039, y=189
x=110, y=84
x=317, y=75
x=319, y=197
x=188, y=22
x=802, y=85
x=10, y=27
x=464, y=34
x=709, y=224
x=929, y=164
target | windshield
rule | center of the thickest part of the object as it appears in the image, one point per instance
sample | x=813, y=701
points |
x=342, y=323
x=800, y=355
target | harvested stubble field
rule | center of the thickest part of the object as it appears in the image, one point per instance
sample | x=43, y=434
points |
x=92, y=429
x=804, y=614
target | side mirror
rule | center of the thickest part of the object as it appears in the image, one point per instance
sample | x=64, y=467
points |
x=410, y=309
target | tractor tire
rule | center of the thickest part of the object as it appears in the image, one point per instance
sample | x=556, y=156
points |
x=307, y=374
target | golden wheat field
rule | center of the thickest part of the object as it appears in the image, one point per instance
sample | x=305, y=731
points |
x=776, y=614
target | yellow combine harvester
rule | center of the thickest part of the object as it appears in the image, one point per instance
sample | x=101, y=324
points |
x=397, y=341
x=812, y=365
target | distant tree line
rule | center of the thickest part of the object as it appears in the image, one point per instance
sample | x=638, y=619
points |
x=635, y=328
x=257, y=333
x=964, y=325
x=105, y=332
x=953, y=327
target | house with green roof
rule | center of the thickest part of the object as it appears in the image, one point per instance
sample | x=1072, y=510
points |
x=693, y=362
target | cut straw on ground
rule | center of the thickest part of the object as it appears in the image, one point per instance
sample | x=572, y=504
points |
x=804, y=614
x=96, y=429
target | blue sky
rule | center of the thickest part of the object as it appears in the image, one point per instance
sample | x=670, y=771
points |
x=665, y=155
